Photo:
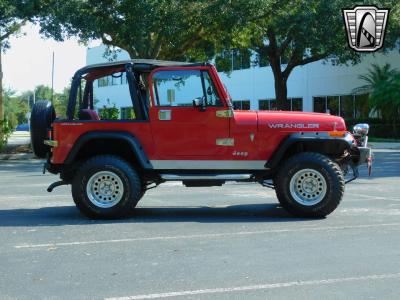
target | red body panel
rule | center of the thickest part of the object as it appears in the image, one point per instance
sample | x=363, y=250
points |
x=67, y=133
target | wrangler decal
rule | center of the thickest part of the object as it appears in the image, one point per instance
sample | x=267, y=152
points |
x=292, y=125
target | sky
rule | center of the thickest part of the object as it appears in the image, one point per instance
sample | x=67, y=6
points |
x=28, y=62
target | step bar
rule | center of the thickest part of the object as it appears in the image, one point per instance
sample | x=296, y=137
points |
x=222, y=177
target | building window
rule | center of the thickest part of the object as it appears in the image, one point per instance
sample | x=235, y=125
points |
x=127, y=113
x=241, y=104
x=296, y=104
x=333, y=105
x=320, y=104
x=240, y=59
x=103, y=81
x=361, y=109
x=234, y=59
x=116, y=79
x=262, y=60
x=346, y=106
x=267, y=104
x=263, y=104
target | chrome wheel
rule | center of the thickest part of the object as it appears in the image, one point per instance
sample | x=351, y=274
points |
x=308, y=187
x=105, y=189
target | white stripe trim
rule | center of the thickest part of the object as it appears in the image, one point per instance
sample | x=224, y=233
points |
x=209, y=164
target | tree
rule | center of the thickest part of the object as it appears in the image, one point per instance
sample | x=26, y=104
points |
x=44, y=92
x=383, y=87
x=294, y=33
x=162, y=29
x=13, y=15
x=286, y=33
x=15, y=109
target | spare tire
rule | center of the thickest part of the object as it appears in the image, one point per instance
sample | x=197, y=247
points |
x=42, y=115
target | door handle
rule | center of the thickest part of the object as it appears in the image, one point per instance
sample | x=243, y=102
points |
x=164, y=114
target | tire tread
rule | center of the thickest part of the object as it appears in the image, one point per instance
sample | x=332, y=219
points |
x=314, y=158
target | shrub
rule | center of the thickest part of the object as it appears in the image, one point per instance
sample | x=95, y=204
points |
x=378, y=128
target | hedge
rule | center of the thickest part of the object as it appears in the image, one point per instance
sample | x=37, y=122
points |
x=378, y=128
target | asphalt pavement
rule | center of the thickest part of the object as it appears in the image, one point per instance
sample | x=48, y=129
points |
x=230, y=242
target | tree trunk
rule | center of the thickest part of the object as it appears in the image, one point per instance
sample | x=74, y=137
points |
x=1, y=99
x=282, y=102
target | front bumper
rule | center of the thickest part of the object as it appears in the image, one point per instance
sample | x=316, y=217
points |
x=365, y=155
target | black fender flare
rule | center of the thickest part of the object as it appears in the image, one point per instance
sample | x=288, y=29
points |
x=133, y=142
x=337, y=144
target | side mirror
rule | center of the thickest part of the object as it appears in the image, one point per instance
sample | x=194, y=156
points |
x=199, y=103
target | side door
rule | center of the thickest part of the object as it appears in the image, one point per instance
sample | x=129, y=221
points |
x=182, y=131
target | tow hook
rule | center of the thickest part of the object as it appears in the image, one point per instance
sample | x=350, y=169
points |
x=56, y=184
x=355, y=174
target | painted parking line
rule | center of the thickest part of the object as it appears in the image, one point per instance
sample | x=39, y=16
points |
x=203, y=236
x=34, y=196
x=372, y=197
x=267, y=286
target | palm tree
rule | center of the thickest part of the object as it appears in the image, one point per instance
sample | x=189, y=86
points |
x=383, y=87
x=375, y=75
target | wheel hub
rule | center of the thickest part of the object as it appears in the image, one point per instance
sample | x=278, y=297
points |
x=104, y=189
x=308, y=187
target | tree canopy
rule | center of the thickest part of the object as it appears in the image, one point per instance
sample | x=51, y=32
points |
x=285, y=34
x=288, y=34
x=162, y=29
x=13, y=15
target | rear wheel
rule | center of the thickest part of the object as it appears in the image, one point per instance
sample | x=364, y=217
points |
x=106, y=187
x=310, y=185
x=42, y=115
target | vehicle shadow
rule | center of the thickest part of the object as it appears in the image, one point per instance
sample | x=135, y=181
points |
x=69, y=215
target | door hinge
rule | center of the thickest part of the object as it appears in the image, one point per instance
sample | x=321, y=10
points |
x=228, y=113
x=50, y=143
x=225, y=142
x=164, y=115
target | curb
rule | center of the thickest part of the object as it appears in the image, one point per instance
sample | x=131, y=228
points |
x=19, y=156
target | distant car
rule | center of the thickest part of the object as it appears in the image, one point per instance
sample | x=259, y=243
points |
x=22, y=127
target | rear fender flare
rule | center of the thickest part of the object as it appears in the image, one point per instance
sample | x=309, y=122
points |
x=133, y=142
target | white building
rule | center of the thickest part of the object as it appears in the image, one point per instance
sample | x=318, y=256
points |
x=317, y=86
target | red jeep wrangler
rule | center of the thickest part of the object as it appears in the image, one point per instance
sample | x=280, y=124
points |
x=185, y=129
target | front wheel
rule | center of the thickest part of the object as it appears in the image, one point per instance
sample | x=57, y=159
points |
x=106, y=187
x=309, y=185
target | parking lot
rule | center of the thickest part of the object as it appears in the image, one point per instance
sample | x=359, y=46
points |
x=233, y=242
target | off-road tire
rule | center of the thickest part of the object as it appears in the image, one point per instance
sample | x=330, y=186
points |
x=128, y=177
x=323, y=165
x=42, y=116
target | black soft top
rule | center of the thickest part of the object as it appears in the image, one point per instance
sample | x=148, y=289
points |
x=139, y=64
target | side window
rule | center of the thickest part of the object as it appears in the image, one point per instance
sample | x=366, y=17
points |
x=181, y=87
x=112, y=98
x=211, y=93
